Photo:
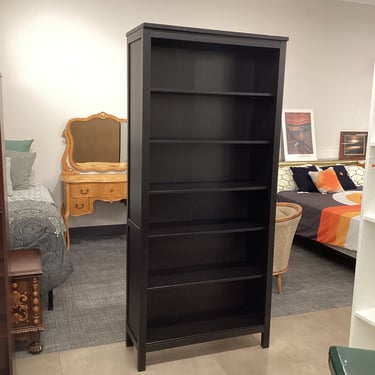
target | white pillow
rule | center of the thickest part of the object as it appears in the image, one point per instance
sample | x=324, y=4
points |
x=285, y=180
x=9, y=180
x=356, y=173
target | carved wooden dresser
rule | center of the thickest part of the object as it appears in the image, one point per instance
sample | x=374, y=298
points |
x=81, y=191
x=94, y=164
x=25, y=270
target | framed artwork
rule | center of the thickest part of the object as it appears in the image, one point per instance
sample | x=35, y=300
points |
x=298, y=134
x=353, y=145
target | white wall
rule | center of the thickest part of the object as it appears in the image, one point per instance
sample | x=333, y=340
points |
x=67, y=58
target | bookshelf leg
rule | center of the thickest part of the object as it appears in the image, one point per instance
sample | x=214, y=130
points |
x=141, y=360
x=265, y=340
x=129, y=341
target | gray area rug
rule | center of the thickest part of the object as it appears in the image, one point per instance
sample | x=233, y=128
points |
x=89, y=308
x=318, y=279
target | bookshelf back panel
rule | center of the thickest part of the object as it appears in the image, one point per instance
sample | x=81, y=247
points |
x=188, y=251
x=212, y=117
x=205, y=301
x=204, y=66
x=202, y=162
x=211, y=206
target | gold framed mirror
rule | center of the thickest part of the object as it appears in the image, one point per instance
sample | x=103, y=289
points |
x=97, y=143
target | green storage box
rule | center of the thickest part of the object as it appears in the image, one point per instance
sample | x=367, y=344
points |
x=351, y=361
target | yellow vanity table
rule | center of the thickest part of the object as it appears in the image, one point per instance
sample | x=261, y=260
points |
x=94, y=164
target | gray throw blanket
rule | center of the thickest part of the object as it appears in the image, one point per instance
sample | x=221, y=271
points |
x=38, y=224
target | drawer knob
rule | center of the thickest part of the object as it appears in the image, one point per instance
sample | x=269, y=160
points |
x=79, y=206
x=84, y=191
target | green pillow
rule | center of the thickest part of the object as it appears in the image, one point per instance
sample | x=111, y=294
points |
x=18, y=145
x=21, y=165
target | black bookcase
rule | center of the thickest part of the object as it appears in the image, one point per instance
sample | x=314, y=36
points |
x=204, y=128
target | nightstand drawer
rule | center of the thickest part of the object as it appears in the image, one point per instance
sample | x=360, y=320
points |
x=83, y=190
x=113, y=190
x=79, y=206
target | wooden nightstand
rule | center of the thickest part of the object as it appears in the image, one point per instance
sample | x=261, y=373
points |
x=25, y=269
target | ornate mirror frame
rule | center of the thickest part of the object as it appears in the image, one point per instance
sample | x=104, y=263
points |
x=72, y=167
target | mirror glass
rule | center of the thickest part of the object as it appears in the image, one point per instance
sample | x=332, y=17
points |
x=99, y=141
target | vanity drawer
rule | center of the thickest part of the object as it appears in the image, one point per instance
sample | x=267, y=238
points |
x=83, y=190
x=113, y=190
x=80, y=206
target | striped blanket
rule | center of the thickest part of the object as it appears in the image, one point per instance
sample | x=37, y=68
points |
x=332, y=219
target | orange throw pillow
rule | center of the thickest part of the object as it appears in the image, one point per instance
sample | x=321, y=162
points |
x=326, y=181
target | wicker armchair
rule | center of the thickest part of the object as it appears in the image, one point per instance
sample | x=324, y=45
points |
x=288, y=216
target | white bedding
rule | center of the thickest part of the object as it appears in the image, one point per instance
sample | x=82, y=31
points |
x=37, y=192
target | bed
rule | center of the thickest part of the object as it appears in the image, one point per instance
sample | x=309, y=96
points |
x=330, y=218
x=35, y=222
x=33, y=217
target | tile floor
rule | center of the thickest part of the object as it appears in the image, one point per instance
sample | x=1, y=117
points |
x=299, y=345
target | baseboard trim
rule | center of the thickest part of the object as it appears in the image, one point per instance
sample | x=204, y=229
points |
x=91, y=232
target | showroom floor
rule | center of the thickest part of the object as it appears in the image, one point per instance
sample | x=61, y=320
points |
x=299, y=345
